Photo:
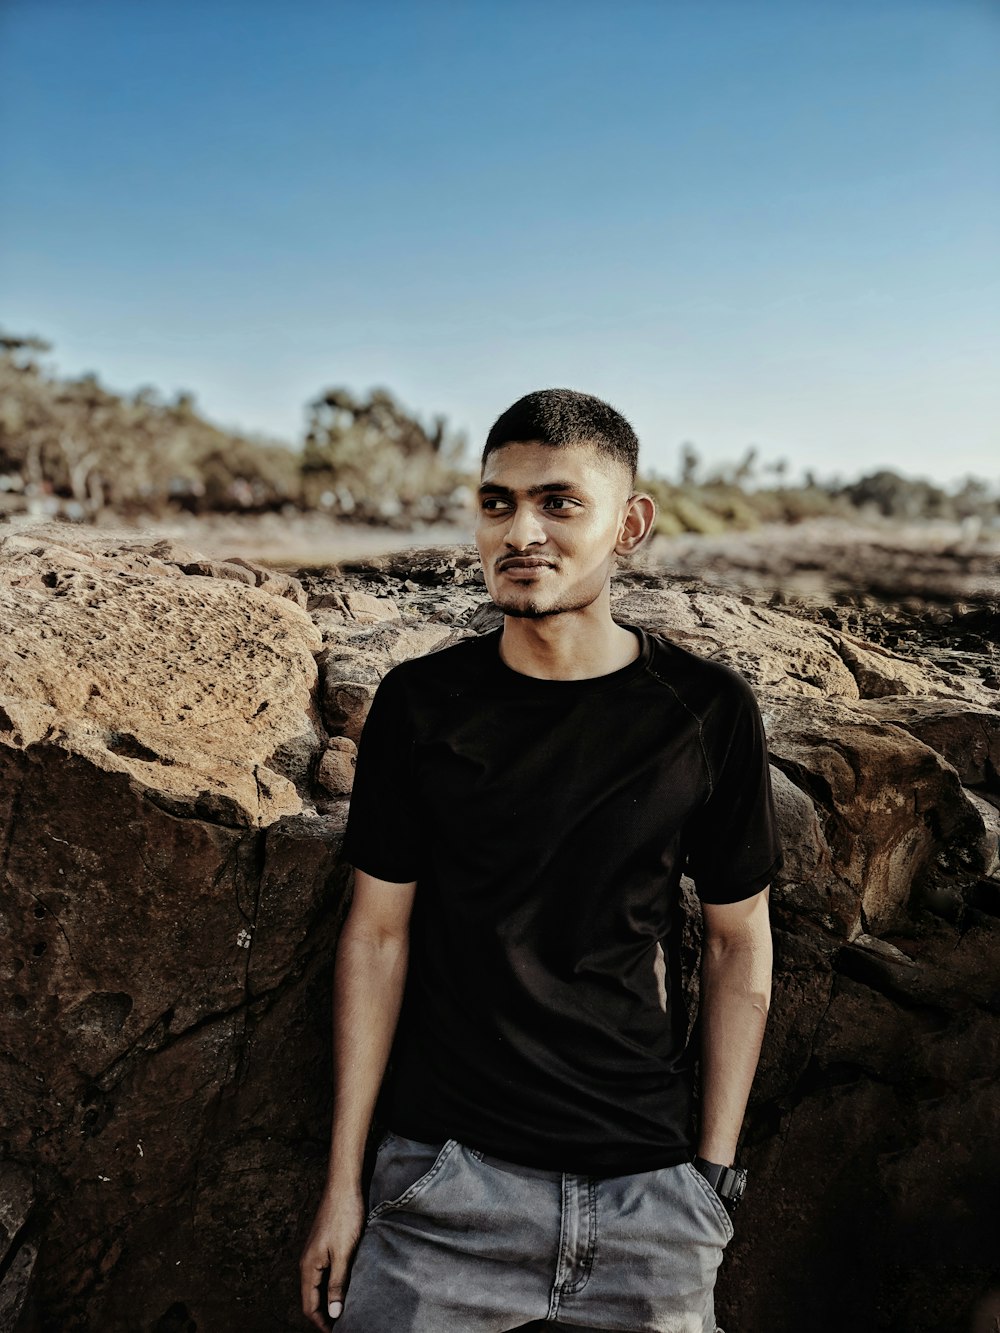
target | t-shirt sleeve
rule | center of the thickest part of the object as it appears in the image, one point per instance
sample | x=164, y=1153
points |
x=382, y=834
x=732, y=844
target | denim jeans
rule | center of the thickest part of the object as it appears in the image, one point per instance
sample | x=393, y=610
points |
x=460, y=1242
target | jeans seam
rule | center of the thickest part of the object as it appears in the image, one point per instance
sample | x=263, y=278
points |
x=558, y=1279
x=588, y=1262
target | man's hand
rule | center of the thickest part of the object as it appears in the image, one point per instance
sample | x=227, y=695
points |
x=368, y=983
x=327, y=1256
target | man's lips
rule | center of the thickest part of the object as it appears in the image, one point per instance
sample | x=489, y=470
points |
x=522, y=564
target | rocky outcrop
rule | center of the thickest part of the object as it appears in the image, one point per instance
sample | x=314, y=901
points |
x=177, y=738
x=141, y=660
x=169, y=901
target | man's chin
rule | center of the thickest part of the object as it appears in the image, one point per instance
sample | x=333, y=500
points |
x=528, y=610
x=532, y=610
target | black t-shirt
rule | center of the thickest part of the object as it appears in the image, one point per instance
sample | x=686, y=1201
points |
x=547, y=824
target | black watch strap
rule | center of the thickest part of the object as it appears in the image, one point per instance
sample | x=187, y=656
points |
x=729, y=1182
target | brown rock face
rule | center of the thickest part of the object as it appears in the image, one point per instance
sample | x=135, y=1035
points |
x=177, y=738
x=197, y=687
x=168, y=902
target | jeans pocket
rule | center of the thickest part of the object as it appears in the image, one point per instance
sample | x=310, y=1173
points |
x=404, y=1169
x=715, y=1204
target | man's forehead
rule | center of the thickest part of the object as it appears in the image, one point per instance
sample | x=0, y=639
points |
x=532, y=463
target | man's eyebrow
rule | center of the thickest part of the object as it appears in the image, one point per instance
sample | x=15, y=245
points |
x=545, y=488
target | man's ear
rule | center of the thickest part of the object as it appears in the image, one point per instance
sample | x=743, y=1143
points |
x=637, y=523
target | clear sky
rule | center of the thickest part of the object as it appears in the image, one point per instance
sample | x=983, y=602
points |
x=773, y=222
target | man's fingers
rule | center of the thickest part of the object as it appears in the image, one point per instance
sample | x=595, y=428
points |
x=313, y=1284
x=316, y=1288
x=326, y=1261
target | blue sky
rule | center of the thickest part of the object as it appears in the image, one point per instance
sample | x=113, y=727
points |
x=769, y=222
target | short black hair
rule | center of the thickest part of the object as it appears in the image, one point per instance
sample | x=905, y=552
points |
x=560, y=417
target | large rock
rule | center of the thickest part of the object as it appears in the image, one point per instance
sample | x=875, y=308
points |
x=967, y=735
x=199, y=686
x=891, y=809
x=177, y=739
x=170, y=895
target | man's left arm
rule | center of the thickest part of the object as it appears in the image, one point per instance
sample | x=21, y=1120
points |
x=735, y=995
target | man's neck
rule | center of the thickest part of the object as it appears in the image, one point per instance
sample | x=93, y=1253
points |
x=572, y=645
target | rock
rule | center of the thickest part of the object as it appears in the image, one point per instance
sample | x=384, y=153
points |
x=352, y=605
x=421, y=565
x=352, y=670
x=807, y=885
x=177, y=741
x=369, y=610
x=966, y=734
x=989, y=846
x=879, y=673
x=220, y=569
x=886, y=1105
x=346, y=704
x=165, y=1047
x=197, y=688
x=271, y=580
x=236, y=567
x=890, y=805
x=158, y=729
x=336, y=766
x=18, y=1253
x=778, y=652
x=773, y=650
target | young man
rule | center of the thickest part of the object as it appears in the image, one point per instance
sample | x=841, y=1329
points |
x=525, y=803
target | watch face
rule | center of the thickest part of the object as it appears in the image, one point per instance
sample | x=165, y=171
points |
x=735, y=1186
x=729, y=1182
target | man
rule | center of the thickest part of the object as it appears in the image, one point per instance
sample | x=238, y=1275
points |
x=525, y=803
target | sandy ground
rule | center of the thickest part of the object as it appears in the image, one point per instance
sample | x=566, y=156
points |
x=819, y=560
x=824, y=560
x=298, y=540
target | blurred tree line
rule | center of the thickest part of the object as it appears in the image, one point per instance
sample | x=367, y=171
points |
x=72, y=448
x=749, y=493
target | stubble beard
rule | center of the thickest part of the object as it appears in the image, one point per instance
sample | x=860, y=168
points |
x=534, y=610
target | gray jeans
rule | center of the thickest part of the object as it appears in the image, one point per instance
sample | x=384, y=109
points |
x=459, y=1242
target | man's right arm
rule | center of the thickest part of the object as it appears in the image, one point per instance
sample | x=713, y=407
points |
x=368, y=982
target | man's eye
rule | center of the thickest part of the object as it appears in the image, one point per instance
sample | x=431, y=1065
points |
x=491, y=503
x=559, y=502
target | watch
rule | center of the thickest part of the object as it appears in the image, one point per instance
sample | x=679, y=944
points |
x=729, y=1182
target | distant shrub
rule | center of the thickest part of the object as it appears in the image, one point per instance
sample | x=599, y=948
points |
x=370, y=459
x=895, y=496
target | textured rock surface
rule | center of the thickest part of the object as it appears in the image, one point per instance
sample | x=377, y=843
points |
x=194, y=678
x=176, y=746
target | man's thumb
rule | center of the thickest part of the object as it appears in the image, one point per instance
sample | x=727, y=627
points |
x=335, y=1293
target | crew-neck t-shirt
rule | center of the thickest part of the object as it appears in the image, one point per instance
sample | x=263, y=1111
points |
x=547, y=824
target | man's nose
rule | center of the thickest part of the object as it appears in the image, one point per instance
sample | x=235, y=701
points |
x=524, y=529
